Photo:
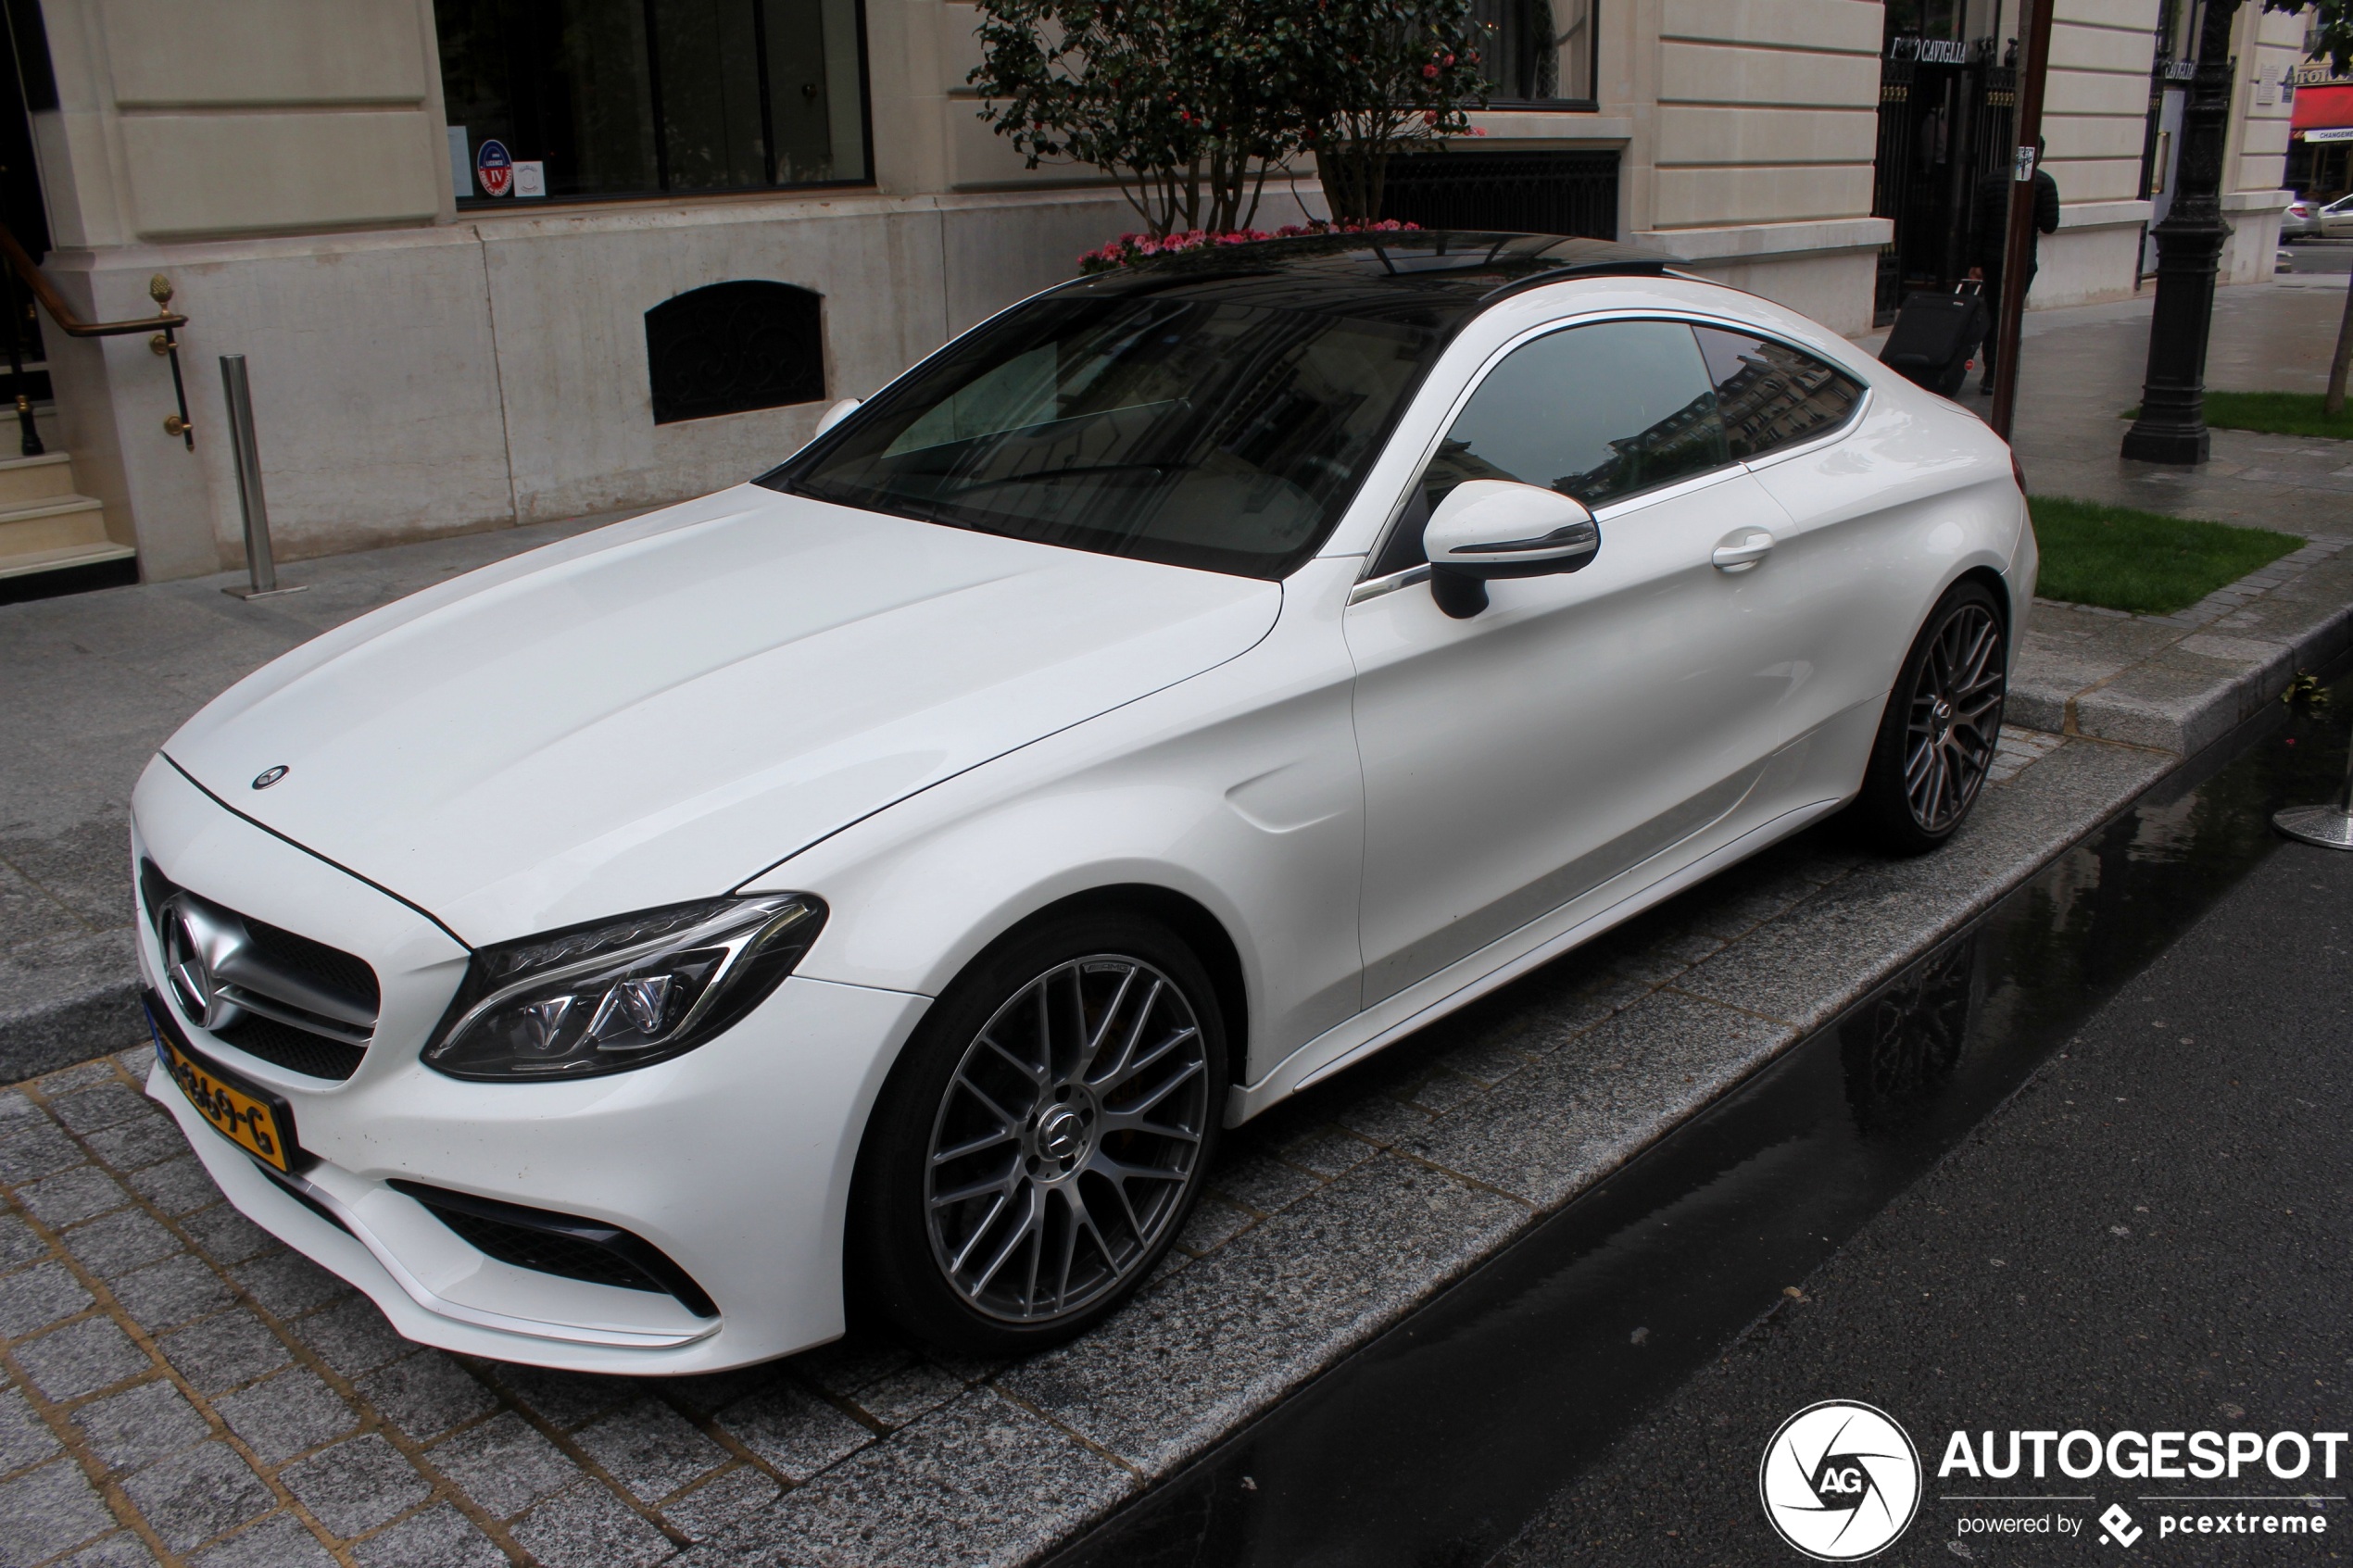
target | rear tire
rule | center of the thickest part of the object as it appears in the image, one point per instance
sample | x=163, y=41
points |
x=1936, y=738
x=1043, y=1136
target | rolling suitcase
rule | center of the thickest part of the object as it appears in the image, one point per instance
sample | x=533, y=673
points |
x=1935, y=335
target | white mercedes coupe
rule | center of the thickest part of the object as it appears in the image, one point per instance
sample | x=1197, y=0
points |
x=880, y=881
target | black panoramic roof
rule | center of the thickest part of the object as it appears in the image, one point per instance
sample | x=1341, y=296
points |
x=1429, y=273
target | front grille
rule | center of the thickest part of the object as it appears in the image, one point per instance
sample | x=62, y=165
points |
x=297, y=1050
x=567, y=1245
x=333, y=966
x=275, y=994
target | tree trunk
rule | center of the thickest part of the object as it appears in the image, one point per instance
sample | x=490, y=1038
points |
x=2342, y=359
x=1352, y=180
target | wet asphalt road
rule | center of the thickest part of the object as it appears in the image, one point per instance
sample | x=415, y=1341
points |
x=2323, y=255
x=2156, y=1234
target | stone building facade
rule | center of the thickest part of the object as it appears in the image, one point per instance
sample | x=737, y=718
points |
x=433, y=349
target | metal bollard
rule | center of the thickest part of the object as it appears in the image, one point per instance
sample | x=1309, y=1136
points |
x=2330, y=827
x=261, y=570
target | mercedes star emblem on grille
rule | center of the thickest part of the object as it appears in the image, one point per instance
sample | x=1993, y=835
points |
x=188, y=966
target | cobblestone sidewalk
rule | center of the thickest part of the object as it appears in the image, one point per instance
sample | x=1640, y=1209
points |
x=181, y=1387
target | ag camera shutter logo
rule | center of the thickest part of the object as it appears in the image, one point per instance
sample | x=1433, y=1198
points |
x=1840, y=1481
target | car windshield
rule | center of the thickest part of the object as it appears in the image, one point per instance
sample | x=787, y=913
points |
x=1196, y=432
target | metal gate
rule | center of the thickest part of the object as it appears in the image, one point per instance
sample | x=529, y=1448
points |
x=1945, y=124
x=1536, y=193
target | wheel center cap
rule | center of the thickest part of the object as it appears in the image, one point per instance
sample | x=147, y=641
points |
x=1061, y=1133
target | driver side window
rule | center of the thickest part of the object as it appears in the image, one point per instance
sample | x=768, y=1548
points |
x=1599, y=413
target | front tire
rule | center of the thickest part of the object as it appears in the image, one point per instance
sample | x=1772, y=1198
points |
x=1043, y=1136
x=1936, y=738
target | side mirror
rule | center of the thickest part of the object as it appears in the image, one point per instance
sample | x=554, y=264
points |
x=1491, y=528
x=836, y=414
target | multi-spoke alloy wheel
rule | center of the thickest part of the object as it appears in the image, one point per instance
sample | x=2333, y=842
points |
x=1954, y=717
x=1936, y=739
x=1067, y=1138
x=1043, y=1135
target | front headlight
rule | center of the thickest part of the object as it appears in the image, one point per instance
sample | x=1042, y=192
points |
x=623, y=993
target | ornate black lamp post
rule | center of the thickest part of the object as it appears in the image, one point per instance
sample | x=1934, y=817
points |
x=2171, y=428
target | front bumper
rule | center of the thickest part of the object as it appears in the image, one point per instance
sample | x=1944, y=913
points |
x=734, y=1160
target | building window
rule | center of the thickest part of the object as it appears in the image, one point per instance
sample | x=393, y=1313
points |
x=1517, y=193
x=587, y=99
x=1539, y=52
x=730, y=347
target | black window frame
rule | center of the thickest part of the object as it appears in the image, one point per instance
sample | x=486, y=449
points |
x=1589, y=102
x=477, y=204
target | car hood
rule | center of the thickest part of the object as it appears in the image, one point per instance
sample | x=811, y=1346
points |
x=660, y=710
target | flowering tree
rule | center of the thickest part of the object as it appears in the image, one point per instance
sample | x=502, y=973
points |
x=1191, y=104
x=1187, y=104
x=1381, y=77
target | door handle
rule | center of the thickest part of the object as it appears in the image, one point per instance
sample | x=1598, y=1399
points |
x=1742, y=549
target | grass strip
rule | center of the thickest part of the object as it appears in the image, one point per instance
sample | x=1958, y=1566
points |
x=2143, y=562
x=2273, y=413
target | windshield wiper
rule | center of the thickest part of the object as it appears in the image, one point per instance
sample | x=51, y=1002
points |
x=1039, y=475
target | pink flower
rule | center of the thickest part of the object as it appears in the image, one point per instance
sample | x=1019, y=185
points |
x=1430, y=70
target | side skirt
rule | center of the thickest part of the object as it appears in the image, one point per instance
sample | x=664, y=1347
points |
x=1497, y=965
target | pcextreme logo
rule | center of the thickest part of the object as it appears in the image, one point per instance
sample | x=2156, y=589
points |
x=1840, y=1481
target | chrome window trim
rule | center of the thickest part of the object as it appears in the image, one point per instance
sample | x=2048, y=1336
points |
x=1374, y=587
x=1830, y=437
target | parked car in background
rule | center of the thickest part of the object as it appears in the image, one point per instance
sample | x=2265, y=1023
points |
x=889, y=875
x=2335, y=220
x=2301, y=220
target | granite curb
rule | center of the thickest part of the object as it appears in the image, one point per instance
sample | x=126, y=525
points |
x=2179, y=682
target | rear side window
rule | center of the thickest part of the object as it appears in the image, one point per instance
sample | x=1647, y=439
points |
x=1770, y=395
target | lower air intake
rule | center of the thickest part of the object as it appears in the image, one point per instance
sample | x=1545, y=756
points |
x=566, y=1244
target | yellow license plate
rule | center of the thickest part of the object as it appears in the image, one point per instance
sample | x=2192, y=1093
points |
x=253, y=1119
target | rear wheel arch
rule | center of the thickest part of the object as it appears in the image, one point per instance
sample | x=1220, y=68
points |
x=1997, y=584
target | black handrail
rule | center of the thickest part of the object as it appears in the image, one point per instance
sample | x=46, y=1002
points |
x=165, y=342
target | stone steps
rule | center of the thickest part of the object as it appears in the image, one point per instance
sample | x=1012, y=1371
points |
x=46, y=525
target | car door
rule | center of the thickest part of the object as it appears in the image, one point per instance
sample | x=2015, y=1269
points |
x=1582, y=723
x=1835, y=599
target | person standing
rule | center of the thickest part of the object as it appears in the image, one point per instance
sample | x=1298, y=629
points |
x=1991, y=228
